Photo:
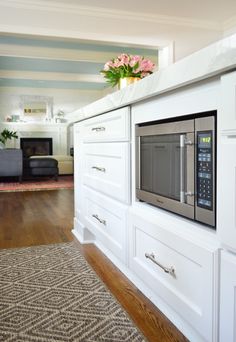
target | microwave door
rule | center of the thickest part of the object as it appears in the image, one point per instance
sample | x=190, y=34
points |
x=161, y=167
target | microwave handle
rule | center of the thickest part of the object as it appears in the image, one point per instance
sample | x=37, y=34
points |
x=186, y=175
x=182, y=164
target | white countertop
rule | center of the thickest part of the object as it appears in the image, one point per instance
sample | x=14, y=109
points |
x=213, y=60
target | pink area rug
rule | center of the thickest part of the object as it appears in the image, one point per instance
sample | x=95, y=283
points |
x=64, y=182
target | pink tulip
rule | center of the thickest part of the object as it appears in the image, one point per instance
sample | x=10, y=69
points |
x=147, y=65
x=124, y=59
x=134, y=60
x=107, y=66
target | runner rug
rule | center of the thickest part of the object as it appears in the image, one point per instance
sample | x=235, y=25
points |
x=50, y=294
x=64, y=182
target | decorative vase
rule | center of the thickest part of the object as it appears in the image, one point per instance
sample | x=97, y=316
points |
x=125, y=81
x=2, y=146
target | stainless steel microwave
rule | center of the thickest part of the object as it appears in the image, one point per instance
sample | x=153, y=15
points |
x=175, y=166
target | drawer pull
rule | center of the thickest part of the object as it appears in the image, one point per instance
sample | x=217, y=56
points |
x=169, y=270
x=98, y=129
x=99, y=220
x=102, y=169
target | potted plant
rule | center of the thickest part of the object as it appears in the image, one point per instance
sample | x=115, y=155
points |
x=5, y=135
x=127, y=66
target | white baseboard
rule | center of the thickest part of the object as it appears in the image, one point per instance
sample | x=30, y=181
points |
x=82, y=233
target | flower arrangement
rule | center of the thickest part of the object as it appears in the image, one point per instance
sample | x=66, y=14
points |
x=127, y=66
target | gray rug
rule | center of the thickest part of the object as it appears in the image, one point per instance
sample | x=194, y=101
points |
x=50, y=294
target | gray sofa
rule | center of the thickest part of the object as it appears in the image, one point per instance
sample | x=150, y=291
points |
x=11, y=163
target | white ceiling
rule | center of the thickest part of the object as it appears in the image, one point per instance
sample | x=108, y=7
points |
x=217, y=11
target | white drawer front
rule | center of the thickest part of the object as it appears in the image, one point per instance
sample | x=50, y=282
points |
x=106, y=219
x=189, y=291
x=106, y=169
x=112, y=126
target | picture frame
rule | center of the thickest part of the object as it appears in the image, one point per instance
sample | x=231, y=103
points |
x=36, y=108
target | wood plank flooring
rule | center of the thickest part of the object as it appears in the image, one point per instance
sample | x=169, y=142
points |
x=44, y=217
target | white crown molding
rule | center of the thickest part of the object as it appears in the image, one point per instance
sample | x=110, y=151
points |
x=50, y=76
x=110, y=14
x=55, y=33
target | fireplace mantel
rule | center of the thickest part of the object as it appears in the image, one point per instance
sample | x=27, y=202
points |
x=57, y=131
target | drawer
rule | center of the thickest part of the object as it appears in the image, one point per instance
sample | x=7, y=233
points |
x=107, y=220
x=113, y=126
x=107, y=169
x=188, y=287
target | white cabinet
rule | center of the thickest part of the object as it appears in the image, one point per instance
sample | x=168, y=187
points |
x=178, y=270
x=227, y=191
x=228, y=297
x=102, y=180
x=227, y=112
x=107, y=220
x=106, y=169
x=80, y=230
x=113, y=126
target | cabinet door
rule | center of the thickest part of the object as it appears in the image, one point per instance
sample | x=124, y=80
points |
x=186, y=282
x=106, y=219
x=227, y=112
x=228, y=297
x=226, y=191
x=106, y=169
x=113, y=126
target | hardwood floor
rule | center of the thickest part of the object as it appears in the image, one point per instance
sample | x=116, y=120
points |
x=35, y=218
x=44, y=217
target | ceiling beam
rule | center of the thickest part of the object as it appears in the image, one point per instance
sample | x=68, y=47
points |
x=25, y=51
x=51, y=76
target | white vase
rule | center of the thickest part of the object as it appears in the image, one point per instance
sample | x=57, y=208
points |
x=2, y=146
x=125, y=81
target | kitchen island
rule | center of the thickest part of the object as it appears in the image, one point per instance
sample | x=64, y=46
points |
x=198, y=295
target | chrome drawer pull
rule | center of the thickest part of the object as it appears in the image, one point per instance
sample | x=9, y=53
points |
x=169, y=270
x=102, y=169
x=99, y=220
x=98, y=129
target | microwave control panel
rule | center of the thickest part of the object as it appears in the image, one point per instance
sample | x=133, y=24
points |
x=204, y=170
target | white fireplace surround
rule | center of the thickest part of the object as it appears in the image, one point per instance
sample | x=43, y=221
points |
x=58, y=132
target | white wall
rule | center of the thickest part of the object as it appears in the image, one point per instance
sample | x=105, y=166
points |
x=64, y=99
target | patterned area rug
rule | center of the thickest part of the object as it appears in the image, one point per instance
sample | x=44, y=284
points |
x=64, y=182
x=50, y=294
